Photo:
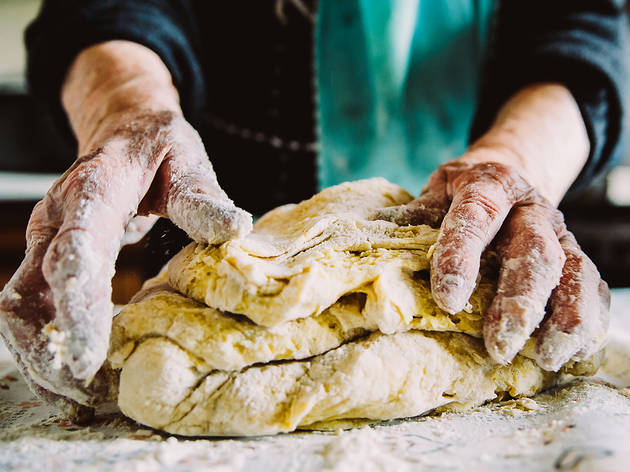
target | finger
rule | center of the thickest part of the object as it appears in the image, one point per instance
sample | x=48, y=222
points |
x=55, y=386
x=26, y=308
x=579, y=311
x=531, y=267
x=98, y=198
x=194, y=200
x=604, y=304
x=429, y=208
x=479, y=207
x=25, y=302
x=198, y=206
x=67, y=407
x=137, y=228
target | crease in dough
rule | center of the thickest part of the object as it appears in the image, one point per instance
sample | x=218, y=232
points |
x=231, y=342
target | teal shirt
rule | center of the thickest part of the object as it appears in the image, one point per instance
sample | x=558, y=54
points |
x=396, y=85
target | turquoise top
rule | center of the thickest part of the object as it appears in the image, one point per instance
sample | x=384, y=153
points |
x=397, y=82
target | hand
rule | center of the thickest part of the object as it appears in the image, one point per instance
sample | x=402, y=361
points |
x=541, y=262
x=142, y=159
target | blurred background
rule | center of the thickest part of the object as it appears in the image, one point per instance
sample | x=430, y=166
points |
x=599, y=216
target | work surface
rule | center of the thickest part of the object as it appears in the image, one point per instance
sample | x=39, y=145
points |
x=582, y=426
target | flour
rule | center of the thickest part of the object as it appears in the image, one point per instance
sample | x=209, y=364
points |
x=584, y=423
x=582, y=426
x=363, y=450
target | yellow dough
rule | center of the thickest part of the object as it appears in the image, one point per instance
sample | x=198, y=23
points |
x=300, y=259
x=380, y=377
x=319, y=314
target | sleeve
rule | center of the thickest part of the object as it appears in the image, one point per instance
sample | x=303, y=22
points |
x=582, y=44
x=65, y=27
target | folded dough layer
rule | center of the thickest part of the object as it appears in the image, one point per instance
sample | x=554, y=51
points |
x=378, y=377
x=230, y=342
x=300, y=259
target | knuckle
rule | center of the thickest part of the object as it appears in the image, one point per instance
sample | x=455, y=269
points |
x=479, y=207
x=470, y=222
x=90, y=156
x=44, y=221
x=579, y=270
x=539, y=250
x=530, y=235
x=82, y=179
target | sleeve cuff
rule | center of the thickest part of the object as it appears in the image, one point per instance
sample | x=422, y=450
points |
x=592, y=65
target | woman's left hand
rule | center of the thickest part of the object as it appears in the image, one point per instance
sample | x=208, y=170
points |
x=543, y=270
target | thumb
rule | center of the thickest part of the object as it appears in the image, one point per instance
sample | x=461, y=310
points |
x=197, y=204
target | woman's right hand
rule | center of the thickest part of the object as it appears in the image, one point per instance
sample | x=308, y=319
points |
x=139, y=159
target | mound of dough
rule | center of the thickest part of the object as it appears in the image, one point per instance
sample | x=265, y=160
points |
x=300, y=259
x=320, y=314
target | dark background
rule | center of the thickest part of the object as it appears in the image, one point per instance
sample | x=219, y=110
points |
x=27, y=142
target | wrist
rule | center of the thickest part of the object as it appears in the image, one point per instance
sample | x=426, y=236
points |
x=113, y=78
x=504, y=152
x=540, y=133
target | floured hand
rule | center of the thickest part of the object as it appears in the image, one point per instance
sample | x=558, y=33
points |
x=542, y=266
x=506, y=188
x=136, y=160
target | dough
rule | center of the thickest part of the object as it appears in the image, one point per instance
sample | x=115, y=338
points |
x=230, y=342
x=300, y=259
x=379, y=377
x=321, y=314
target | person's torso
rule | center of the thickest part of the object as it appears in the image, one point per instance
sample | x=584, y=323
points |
x=371, y=88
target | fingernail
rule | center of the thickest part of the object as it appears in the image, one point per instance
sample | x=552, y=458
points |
x=450, y=292
x=505, y=340
x=241, y=224
x=556, y=349
x=502, y=351
x=209, y=221
x=510, y=323
x=232, y=223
